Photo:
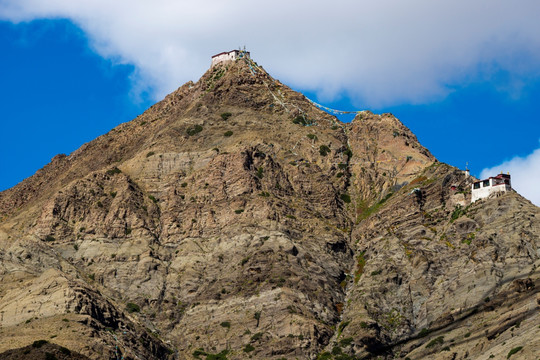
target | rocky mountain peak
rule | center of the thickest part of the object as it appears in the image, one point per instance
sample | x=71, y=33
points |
x=236, y=219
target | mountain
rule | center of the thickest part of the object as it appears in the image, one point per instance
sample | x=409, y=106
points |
x=234, y=219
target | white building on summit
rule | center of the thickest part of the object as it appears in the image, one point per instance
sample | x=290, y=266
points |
x=229, y=56
x=484, y=188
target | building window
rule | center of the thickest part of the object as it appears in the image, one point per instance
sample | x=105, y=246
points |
x=485, y=183
x=477, y=185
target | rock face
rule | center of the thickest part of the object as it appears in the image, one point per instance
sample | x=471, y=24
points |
x=234, y=219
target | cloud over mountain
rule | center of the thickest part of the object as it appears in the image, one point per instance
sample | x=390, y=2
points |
x=378, y=53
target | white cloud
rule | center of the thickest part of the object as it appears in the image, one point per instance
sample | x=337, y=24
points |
x=525, y=173
x=382, y=52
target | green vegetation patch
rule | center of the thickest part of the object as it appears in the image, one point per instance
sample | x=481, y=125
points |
x=437, y=341
x=113, y=171
x=226, y=115
x=194, y=130
x=342, y=327
x=256, y=337
x=324, y=356
x=373, y=208
x=346, y=341
x=219, y=356
x=302, y=120
x=513, y=351
x=324, y=150
x=228, y=133
x=132, y=307
x=260, y=172
x=360, y=264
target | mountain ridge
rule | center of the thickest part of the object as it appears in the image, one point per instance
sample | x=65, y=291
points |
x=236, y=218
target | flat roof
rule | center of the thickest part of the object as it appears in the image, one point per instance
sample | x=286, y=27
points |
x=494, y=177
x=224, y=52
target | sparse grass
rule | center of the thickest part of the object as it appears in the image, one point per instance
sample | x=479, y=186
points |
x=219, y=356
x=49, y=238
x=259, y=173
x=151, y=197
x=342, y=327
x=302, y=120
x=324, y=356
x=132, y=307
x=257, y=336
x=374, y=208
x=360, y=263
x=113, y=171
x=437, y=341
x=194, y=130
x=513, y=351
x=457, y=213
x=324, y=150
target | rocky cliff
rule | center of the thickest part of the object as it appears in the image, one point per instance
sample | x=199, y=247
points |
x=234, y=219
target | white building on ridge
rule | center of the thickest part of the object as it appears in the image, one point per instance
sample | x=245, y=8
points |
x=229, y=56
x=484, y=188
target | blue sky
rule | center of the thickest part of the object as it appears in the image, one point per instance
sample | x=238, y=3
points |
x=71, y=71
